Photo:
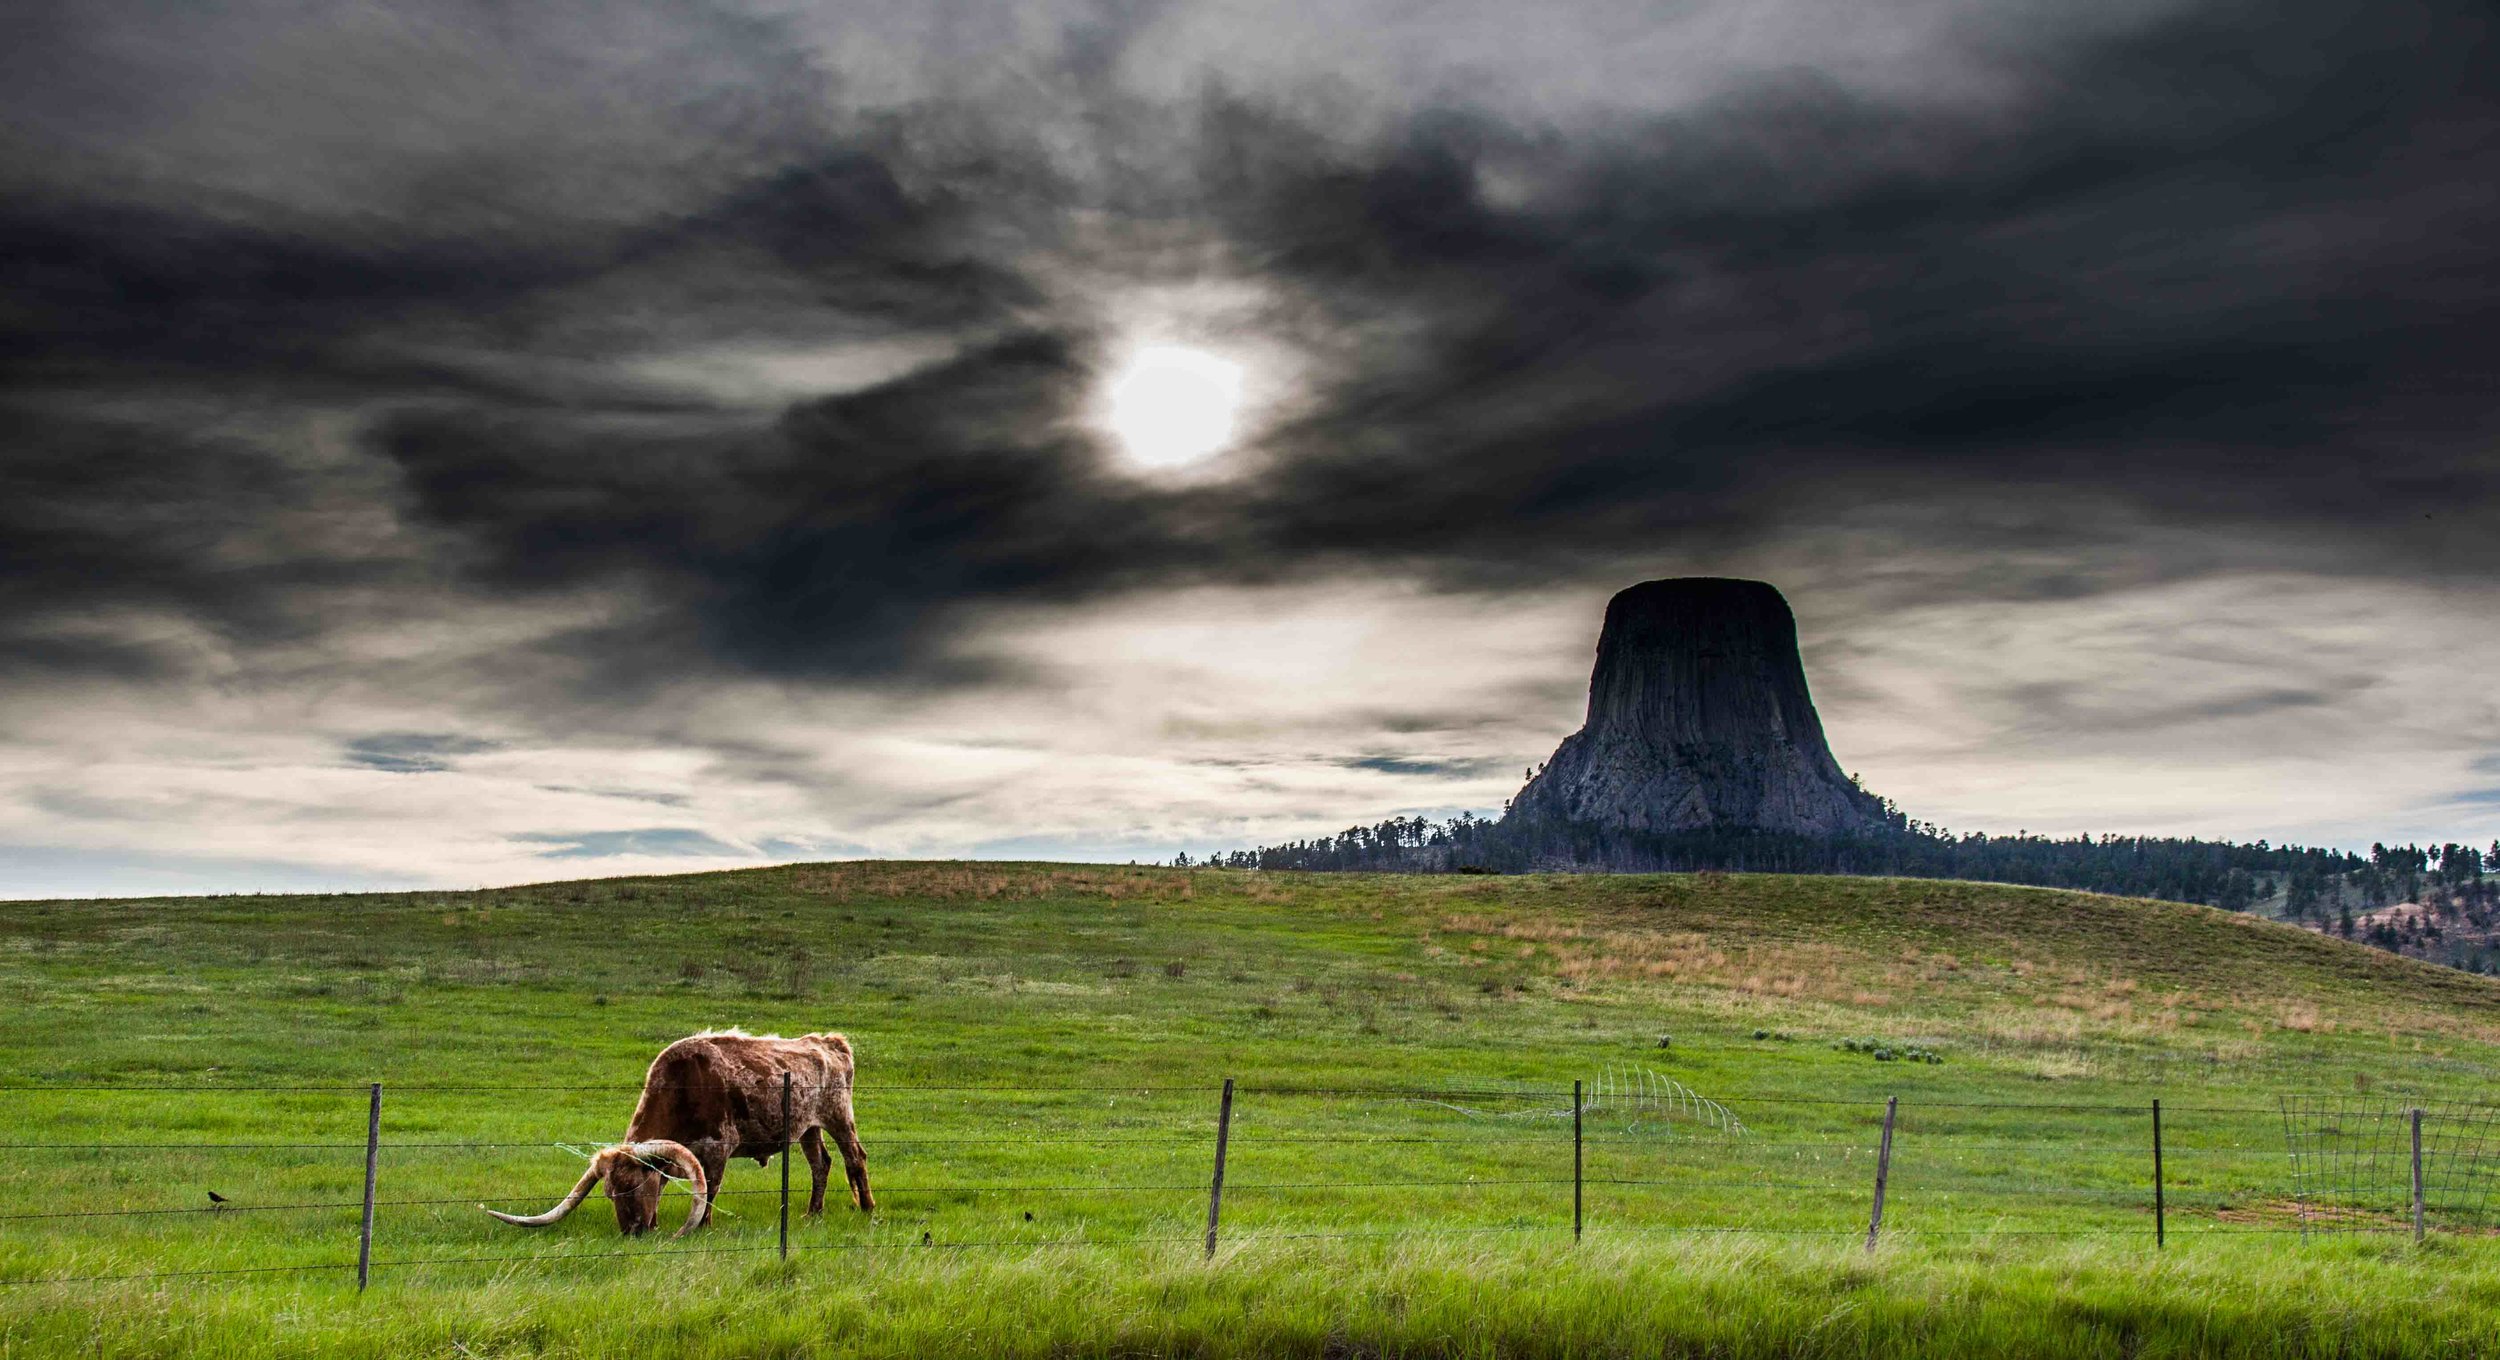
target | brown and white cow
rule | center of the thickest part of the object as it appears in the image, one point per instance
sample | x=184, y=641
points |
x=717, y=1095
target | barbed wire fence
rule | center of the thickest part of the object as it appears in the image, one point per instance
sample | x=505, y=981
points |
x=1627, y=1152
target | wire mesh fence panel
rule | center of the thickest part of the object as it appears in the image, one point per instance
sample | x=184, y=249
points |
x=1693, y=1160
x=1476, y=1154
x=2354, y=1166
x=2461, y=1164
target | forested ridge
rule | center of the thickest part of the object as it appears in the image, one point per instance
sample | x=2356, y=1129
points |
x=2429, y=901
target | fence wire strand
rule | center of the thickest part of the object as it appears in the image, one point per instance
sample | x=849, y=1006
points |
x=2348, y=1161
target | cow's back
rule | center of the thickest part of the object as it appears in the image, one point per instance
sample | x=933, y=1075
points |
x=704, y=1084
x=690, y=1091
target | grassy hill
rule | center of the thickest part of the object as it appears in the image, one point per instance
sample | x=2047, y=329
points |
x=1040, y=1048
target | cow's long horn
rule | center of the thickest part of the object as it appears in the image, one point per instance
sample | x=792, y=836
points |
x=598, y=1168
x=683, y=1159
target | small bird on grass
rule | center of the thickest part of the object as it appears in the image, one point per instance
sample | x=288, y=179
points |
x=215, y=1200
x=1028, y=1215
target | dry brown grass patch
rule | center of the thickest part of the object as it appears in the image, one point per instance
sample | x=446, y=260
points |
x=2030, y=1029
x=2286, y=1213
x=956, y=882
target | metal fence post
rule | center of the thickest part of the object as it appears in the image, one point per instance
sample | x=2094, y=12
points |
x=785, y=1166
x=1575, y=1159
x=2417, y=1174
x=2161, y=1226
x=373, y=1157
x=1883, y=1171
x=1215, y=1192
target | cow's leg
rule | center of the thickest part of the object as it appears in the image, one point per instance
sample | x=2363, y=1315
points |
x=854, y=1157
x=819, y=1169
x=713, y=1153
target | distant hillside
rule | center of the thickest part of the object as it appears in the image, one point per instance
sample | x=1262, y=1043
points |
x=2439, y=903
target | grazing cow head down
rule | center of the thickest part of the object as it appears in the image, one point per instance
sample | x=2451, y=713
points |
x=635, y=1183
x=721, y=1094
x=636, y=1173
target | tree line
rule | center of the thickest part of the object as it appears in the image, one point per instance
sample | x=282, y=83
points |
x=2227, y=874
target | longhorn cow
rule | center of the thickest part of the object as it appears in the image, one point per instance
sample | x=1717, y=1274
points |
x=717, y=1095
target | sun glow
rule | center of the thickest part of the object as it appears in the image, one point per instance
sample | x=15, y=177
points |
x=1172, y=406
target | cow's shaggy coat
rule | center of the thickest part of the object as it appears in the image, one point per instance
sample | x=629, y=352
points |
x=717, y=1095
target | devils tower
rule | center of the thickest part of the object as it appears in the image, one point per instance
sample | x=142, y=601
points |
x=1698, y=719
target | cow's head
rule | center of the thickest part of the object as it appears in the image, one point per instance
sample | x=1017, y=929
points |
x=635, y=1173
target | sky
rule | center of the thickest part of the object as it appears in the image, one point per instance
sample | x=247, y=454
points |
x=446, y=444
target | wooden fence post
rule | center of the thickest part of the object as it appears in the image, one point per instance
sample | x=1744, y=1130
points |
x=785, y=1166
x=1883, y=1171
x=373, y=1157
x=1215, y=1192
x=1575, y=1159
x=2417, y=1174
x=2161, y=1225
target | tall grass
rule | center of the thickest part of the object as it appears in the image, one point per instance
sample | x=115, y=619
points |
x=1730, y=1299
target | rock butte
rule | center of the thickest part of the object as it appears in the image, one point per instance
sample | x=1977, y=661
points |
x=1699, y=718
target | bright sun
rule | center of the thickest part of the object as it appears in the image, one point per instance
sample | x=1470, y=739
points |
x=1172, y=406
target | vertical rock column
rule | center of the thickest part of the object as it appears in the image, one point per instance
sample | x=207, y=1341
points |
x=1699, y=717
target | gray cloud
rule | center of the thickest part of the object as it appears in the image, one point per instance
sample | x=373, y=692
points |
x=1428, y=767
x=412, y=752
x=2149, y=287
x=663, y=799
x=657, y=840
x=317, y=329
x=2075, y=707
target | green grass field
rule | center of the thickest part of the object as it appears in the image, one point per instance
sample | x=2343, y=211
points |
x=1040, y=1053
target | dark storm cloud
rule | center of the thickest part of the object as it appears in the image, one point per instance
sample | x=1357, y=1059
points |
x=116, y=530
x=835, y=542
x=2231, y=269
x=2207, y=275
x=112, y=294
